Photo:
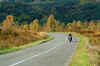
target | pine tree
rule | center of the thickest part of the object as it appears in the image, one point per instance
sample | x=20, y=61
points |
x=87, y=1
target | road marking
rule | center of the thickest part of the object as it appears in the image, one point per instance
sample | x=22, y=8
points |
x=19, y=62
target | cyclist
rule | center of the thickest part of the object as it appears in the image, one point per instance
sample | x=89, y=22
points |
x=70, y=37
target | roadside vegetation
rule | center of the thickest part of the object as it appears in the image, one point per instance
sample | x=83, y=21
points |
x=14, y=36
x=7, y=50
x=91, y=30
x=81, y=57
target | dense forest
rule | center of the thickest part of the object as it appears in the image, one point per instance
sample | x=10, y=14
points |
x=63, y=11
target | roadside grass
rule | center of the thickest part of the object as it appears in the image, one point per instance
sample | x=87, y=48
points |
x=81, y=57
x=7, y=50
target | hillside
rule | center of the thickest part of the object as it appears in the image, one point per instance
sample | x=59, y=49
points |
x=65, y=11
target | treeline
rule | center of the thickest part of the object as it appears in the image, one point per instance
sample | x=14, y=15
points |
x=87, y=28
x=14, y=34
x=53, y=25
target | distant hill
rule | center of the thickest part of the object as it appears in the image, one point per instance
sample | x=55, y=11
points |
x=20, y=1
x=64, y=11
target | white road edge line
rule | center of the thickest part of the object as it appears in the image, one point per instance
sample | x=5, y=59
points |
x=19, y=62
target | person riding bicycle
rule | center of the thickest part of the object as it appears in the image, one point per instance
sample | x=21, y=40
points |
x=70, y=37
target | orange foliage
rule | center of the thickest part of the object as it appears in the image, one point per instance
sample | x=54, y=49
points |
x=12, y=35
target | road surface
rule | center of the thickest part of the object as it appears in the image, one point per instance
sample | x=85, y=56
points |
x=51, y=53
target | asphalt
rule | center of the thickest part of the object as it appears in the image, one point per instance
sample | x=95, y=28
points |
x=52, y=53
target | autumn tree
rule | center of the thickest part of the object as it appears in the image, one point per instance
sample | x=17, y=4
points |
x=98, y=27
x=85, y=25
x=25, y=26
x=91, y=26
x=44, y=28
x=68, y=28
x=61, y=27
x=34, y=26
x=73, y=25
x=7, y=23
x=51, y=24
x=78, y=26
x=57, y=24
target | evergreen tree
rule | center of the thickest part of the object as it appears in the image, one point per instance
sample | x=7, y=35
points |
x=87, y=1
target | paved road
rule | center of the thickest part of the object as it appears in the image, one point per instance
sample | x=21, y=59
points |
x=52, y=53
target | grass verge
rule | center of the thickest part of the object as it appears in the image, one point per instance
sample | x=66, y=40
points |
x=81, y=57
x=26, y=46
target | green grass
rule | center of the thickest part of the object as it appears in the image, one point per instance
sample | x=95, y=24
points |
x=81, y=57
x=3, y=51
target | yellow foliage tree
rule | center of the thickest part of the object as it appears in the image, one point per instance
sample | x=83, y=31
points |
x=85, y=25
x=57, y=26
x=44, y=28
x=98, y=27
x=78, y=26
x=73, y=26
x=61, y=27
x=8, y=22
x=91, y=26
x=34, y=26
x=68, y=28
x=51, y=24
x=25, y=27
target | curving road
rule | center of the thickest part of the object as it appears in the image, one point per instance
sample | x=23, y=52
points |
x=51, y=53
